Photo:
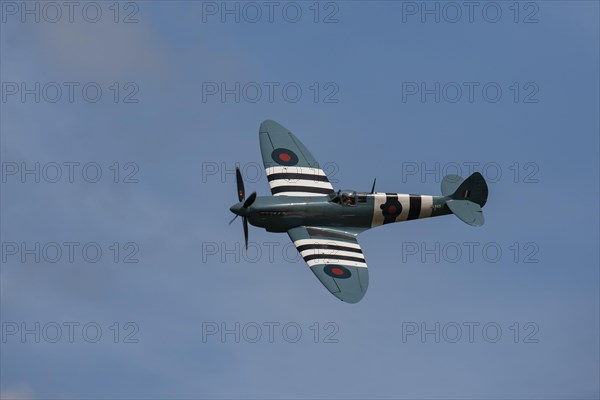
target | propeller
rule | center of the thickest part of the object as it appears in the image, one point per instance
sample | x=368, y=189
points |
x=240, y=184
x=249, y=200
x=246, y=203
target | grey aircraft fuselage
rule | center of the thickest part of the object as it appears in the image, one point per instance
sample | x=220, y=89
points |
x=281, y=213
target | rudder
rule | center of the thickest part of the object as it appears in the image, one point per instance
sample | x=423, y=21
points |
x=473, y=189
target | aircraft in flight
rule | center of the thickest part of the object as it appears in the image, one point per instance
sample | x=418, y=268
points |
x=323, y=223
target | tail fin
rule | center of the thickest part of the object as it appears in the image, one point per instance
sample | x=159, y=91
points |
x=466, y=197
x=473, y=189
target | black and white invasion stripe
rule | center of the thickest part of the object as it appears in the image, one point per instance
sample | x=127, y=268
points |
x=298, y=181
x=413, y=206
x=330, y=251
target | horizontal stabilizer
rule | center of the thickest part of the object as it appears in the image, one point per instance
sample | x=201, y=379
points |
x=467, y=211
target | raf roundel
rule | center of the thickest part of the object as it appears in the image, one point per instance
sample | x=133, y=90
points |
x=337, y=271
x=284, y=157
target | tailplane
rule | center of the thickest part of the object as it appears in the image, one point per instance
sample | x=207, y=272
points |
x=466, y=197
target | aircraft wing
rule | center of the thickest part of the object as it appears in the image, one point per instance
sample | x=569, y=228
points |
x=291, y=169
x=336, y=258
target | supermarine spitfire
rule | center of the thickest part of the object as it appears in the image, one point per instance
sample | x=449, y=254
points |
x=323, y=223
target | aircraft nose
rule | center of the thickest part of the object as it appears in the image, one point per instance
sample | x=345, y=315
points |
x=236, y=209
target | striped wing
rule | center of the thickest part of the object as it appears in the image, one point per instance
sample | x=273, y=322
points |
x=336, y=258
x=291, y=169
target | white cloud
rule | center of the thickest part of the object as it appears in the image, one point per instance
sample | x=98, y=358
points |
x=104, y=50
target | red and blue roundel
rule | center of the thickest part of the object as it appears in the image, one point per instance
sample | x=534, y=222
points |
x=391, y=209
x=337, y=271
x=284, y=157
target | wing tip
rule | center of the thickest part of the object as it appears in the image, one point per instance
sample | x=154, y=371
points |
x=270, y=125
x=351, y=299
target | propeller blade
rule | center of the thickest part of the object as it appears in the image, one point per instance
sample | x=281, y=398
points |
x=373, y=187
x=231, y=222
x=245, y=220
x=240, y=184
x=249, y=200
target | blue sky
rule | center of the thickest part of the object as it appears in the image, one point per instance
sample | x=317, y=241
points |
x=177, y=144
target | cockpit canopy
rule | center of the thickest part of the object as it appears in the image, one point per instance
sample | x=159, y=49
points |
x=347, y=197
